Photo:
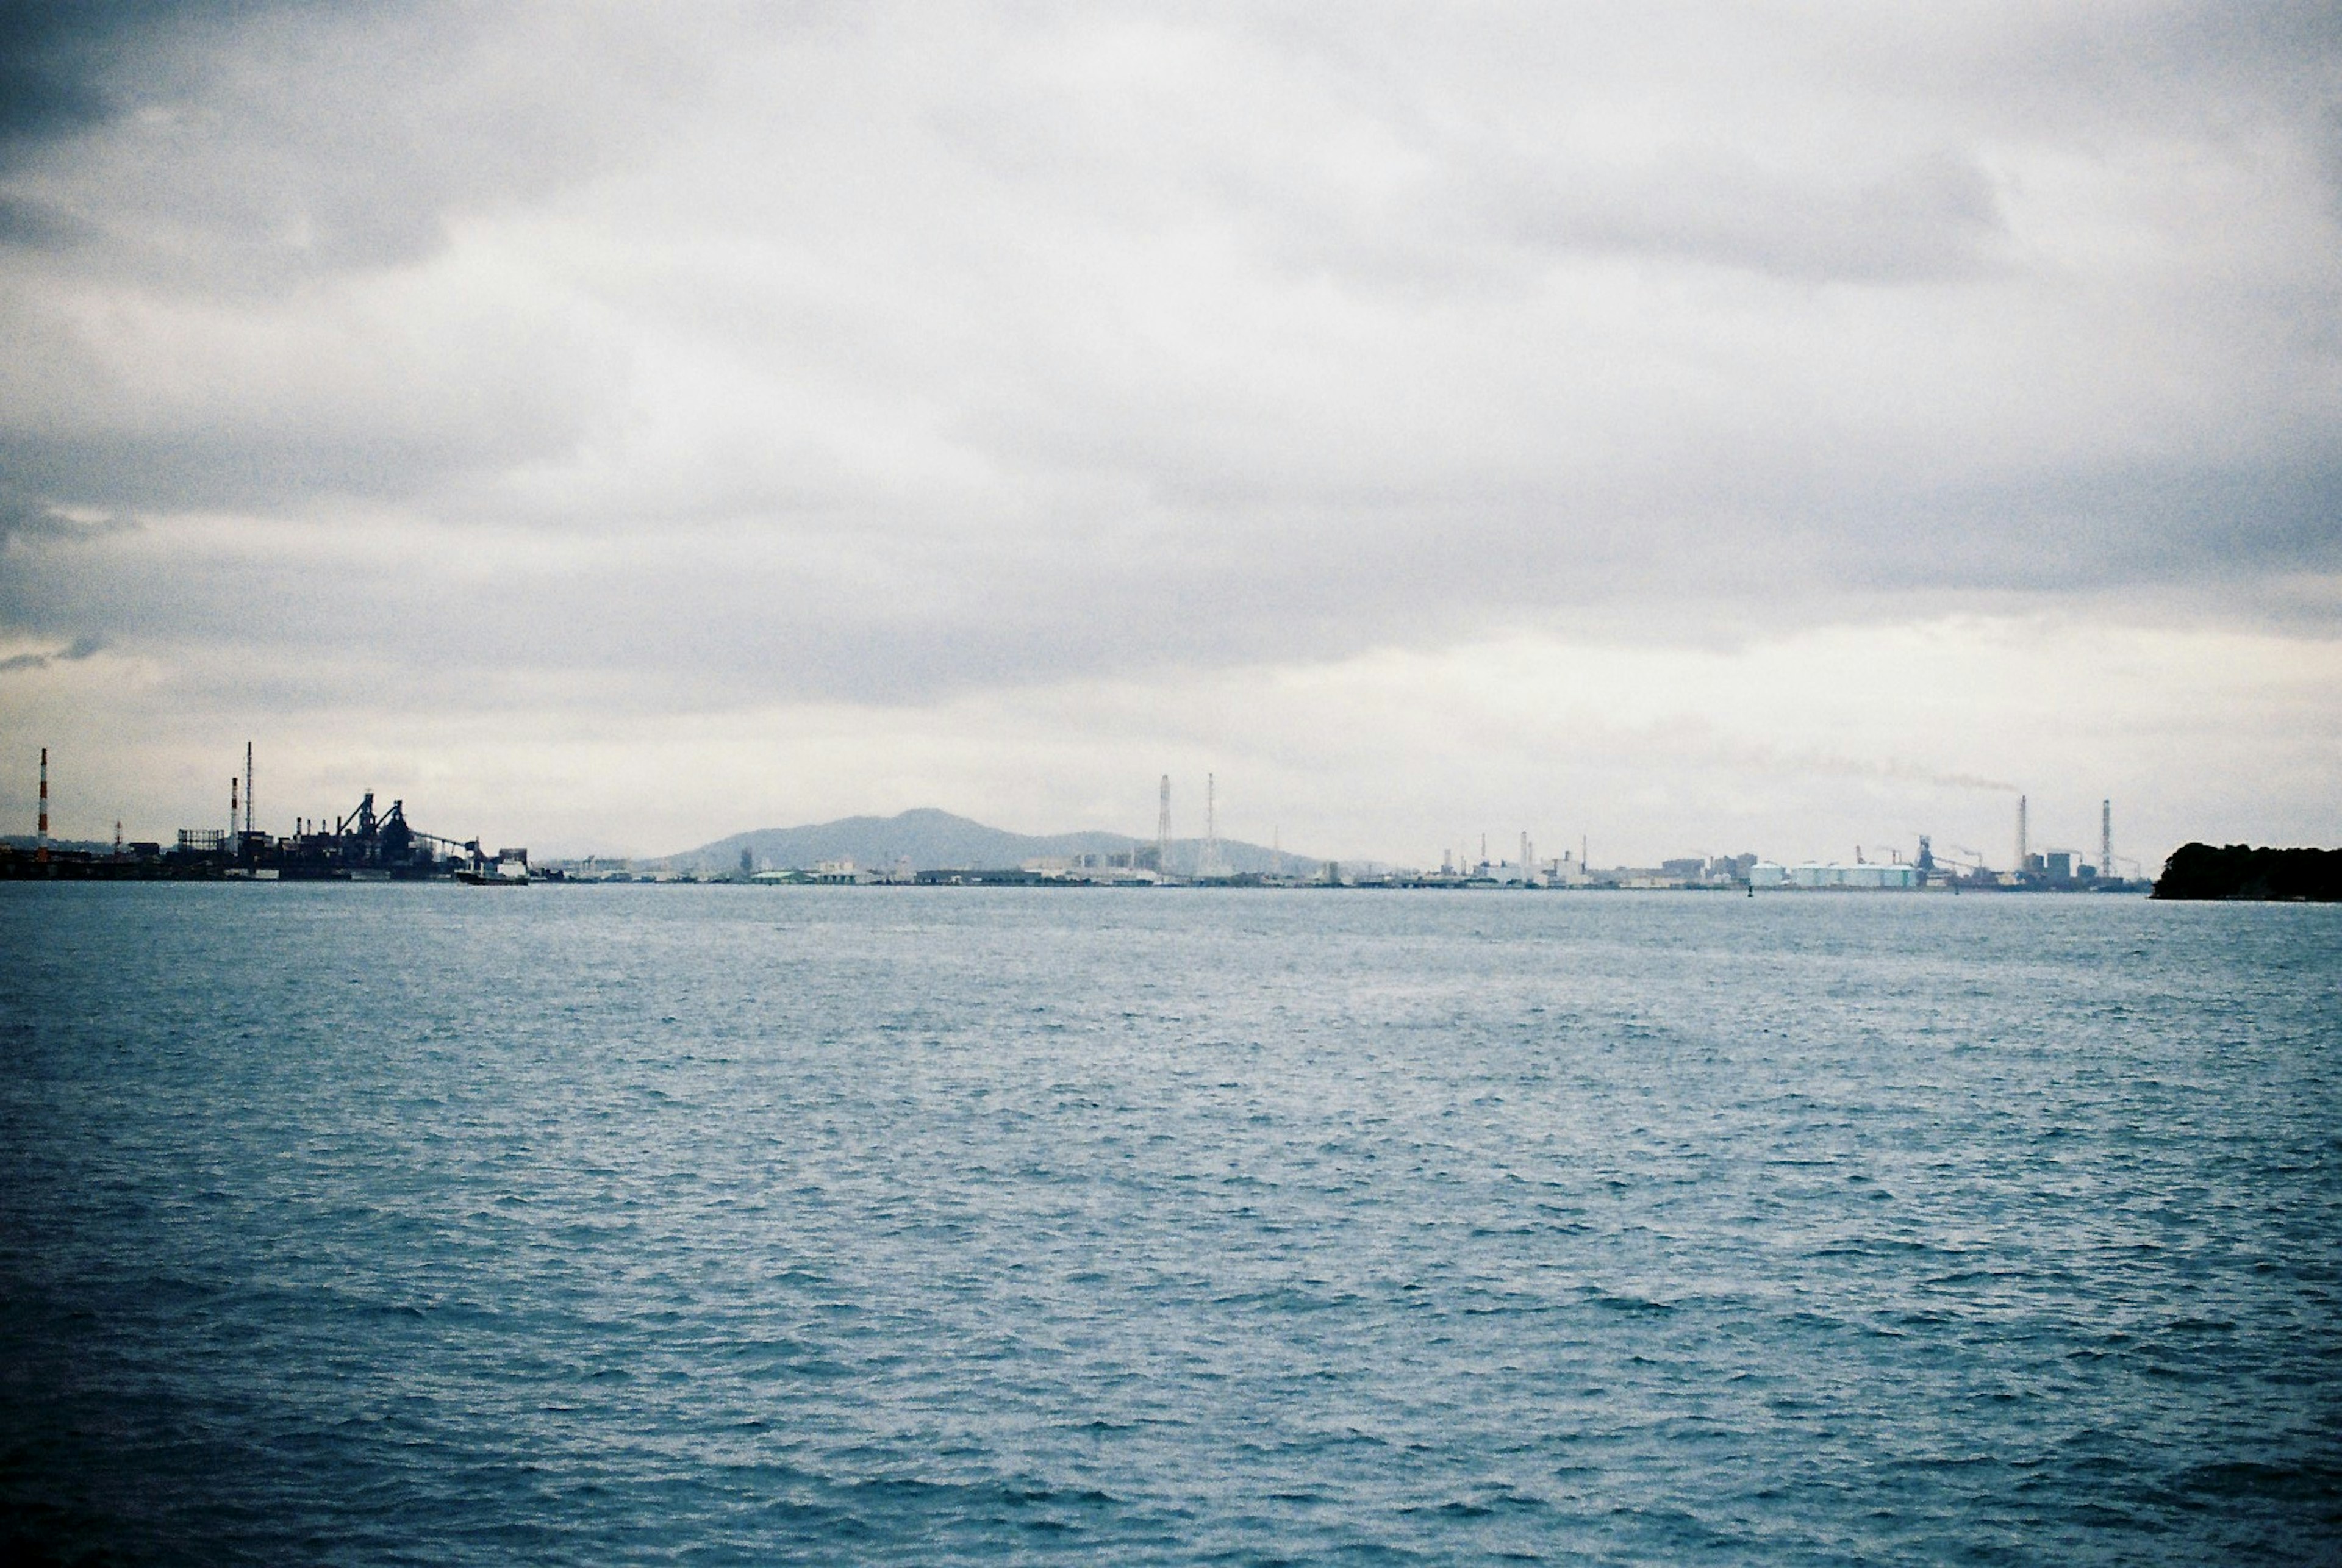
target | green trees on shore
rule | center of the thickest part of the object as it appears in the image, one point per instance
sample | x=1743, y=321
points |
x=2246, y=871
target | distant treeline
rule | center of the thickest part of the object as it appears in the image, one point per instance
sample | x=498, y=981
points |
x=2244, y=871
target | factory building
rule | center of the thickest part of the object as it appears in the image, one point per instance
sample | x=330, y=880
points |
x=1812, y=873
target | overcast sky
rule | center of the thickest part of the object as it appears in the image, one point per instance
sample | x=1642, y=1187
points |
x=1692, y=427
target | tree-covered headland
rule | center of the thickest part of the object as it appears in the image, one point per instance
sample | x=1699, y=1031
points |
x=2246, y=871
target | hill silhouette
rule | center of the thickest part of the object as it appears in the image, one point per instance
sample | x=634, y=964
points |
x=937, y=840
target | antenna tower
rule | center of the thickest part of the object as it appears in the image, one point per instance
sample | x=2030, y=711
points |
x=1163, y=830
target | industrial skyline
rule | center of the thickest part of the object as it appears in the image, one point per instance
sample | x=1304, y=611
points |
x=1205, y=859
x=1807, y=428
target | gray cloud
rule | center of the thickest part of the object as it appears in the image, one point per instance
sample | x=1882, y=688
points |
x=67, y=66
x=28, y=521
x=78, y=649
x=236, y=147
x=1935, y=217
x=878, y=354
x=49, y=70
x=34, y=225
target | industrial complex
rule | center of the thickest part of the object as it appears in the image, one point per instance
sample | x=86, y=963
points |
x=361, y=846
x=367, y=844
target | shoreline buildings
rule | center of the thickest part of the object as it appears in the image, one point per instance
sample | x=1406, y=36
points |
x=365, y=845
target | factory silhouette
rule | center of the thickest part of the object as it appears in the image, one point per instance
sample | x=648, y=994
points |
x=928, y=847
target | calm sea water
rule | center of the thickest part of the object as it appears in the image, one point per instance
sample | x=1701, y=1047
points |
x=594, y=1226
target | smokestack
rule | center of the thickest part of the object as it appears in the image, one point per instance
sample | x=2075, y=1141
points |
x=2106, y=838
x=247, y=788
x=1211, y=825
x=2024, y=850
x=1163, y=831
x=41, y=851
x=230, y=811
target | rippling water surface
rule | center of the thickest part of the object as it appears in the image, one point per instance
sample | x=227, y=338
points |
x=432, y=1224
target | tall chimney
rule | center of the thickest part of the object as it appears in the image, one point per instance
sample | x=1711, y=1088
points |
x=1163, y=830
x=41, y=852
x=1211, y=825
x=2024, y=849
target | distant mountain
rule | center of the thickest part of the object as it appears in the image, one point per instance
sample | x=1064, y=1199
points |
x=937, y=840
x=30, y=842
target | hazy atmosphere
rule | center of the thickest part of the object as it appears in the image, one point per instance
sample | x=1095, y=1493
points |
x=1784, y=428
